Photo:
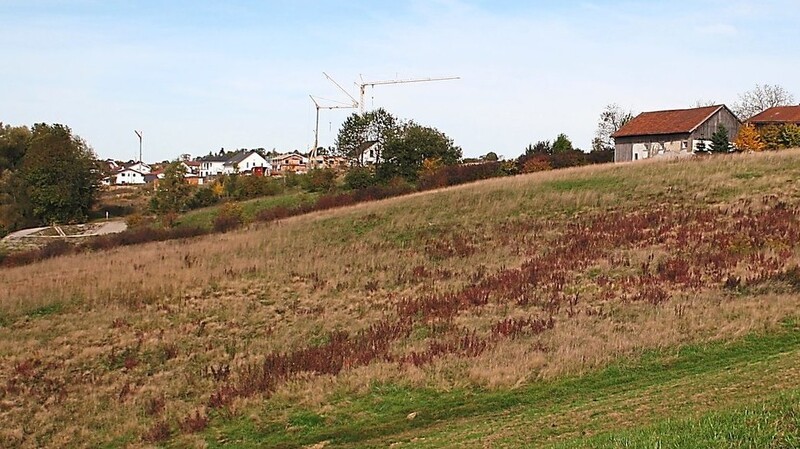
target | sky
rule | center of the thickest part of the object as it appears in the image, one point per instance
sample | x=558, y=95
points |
x=196, y=76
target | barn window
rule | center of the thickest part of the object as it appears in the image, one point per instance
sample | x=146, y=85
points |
x=684, y=145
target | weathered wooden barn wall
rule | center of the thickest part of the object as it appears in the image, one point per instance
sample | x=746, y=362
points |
x=710, y=126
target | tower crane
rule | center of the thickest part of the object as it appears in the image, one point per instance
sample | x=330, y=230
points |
x=362, y=86
x=319, y=106
x=339, y=105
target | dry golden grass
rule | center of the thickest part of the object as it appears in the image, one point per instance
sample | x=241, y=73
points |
x=90, y=342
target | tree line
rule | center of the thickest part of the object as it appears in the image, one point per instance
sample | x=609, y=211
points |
x=47, y=175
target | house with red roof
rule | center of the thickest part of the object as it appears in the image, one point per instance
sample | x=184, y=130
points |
x=779, y=116
x=672, y=133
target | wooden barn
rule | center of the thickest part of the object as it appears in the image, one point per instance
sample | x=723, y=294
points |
x=673, y=133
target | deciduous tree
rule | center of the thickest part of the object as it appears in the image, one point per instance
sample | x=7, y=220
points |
x=61, y=174
x=405, y=152
x=490, y=156
x=351, y=135
x=16, y=211
x=790, y=136
x=748, y=139
x=13, y=144
x=611, y=120
x=761, y=98
x=771, y=136
x=172, y=192
x=536, y=163
x=378, y=126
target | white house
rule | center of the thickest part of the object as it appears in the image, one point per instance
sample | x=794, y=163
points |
x=111, y=164
x=126, y=176
x=369, y=152
x=212, y=166
x=241, y=162
x=192, y=167
x=244, y=161
x=139, y=166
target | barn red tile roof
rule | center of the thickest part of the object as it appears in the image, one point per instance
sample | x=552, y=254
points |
x=778, y=114
x=676, y=121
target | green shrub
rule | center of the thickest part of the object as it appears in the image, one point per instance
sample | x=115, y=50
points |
x=790, y=136
x=319, y=180
x=203, y=197
x=292, y=179
x=228, y=218
x=359, y=178
x=137, y=220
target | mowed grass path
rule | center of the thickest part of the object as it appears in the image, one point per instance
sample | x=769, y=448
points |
x=744, y=393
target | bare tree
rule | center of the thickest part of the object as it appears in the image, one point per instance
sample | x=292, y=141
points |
x=761, y=98
x=611, y=120
x=702, y=103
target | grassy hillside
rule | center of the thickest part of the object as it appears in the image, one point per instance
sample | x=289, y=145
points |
x=611, y=306
x=204, y=218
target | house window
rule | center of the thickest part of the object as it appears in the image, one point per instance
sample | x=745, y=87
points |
x=636, y=157
x=684, y=145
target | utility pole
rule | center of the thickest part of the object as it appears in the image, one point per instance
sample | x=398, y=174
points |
x=139, y=134
x=364, y=84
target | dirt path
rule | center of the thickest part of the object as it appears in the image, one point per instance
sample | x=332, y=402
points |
x=104, y=228
x=109, y=227
x=24, y=233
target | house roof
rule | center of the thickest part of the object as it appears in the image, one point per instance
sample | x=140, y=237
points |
x=778, y=114
x=192, y=163
x=116, y=172
x=364, y=146
x=287, y=156
x=239, y=157
x=676, y=121
x=214, y=158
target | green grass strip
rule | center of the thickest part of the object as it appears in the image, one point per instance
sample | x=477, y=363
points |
x=373, y=419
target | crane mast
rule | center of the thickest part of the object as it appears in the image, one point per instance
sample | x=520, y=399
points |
x=318, y=106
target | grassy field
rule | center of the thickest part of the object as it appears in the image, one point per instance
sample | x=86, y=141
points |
x=641, y=305
x=204, y=218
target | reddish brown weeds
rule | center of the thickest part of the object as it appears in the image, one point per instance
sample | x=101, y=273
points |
x=194, y=422
x=704, y=248
x=157, y=433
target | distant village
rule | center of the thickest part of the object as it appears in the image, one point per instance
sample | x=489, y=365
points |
x=655, y=134
x=201, y=170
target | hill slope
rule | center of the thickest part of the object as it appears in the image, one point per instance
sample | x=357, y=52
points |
x=528, y=310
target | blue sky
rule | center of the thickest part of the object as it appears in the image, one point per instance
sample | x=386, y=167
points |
x=196, y=76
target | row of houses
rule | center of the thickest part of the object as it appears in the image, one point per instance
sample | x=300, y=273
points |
x=680, y=132
x=243, y=162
